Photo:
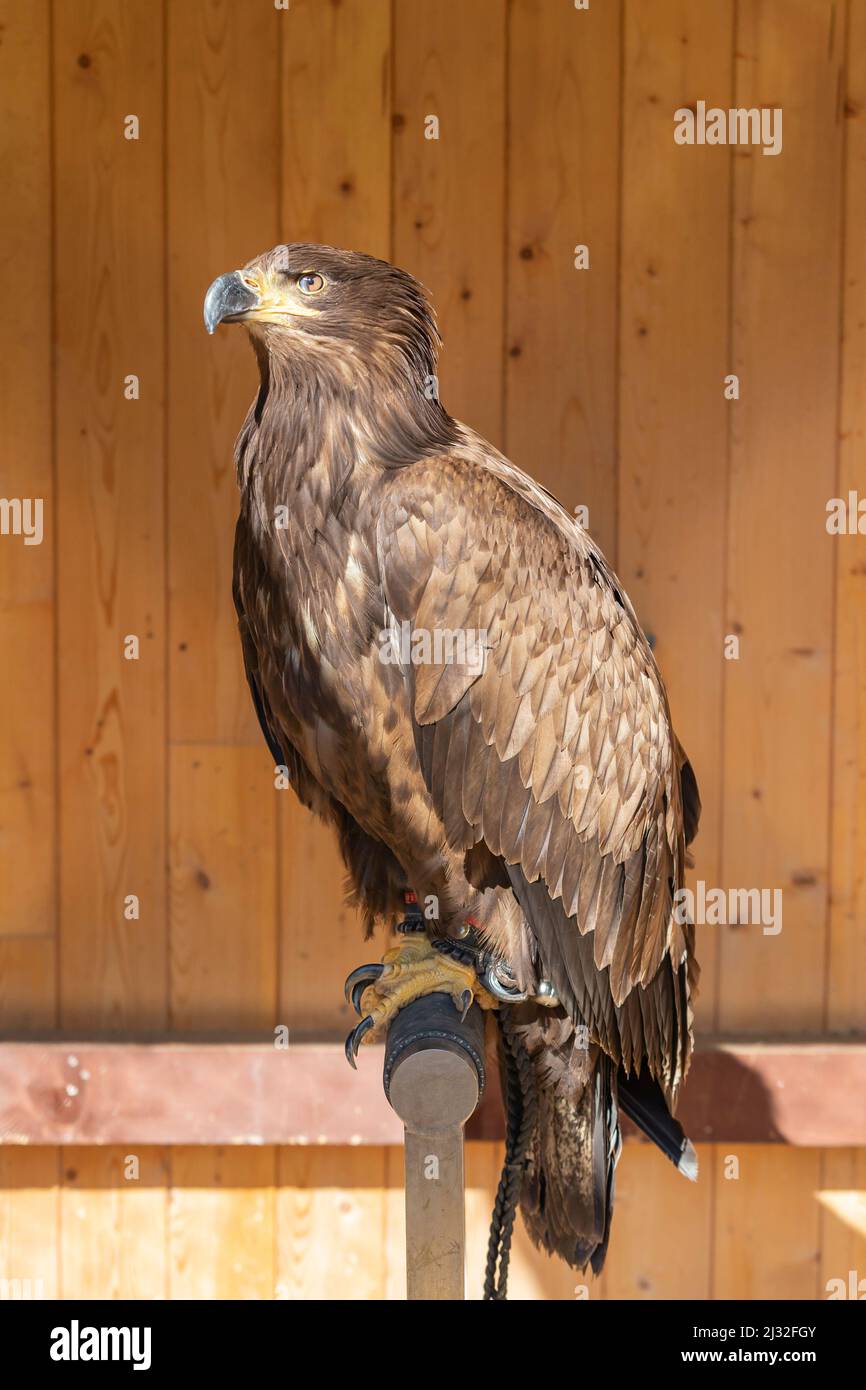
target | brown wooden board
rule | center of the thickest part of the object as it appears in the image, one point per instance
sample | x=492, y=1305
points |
x=256, y=1093
x=674, y=355
x=223, y=890
x=449, y=65
x=222, y=180
x=785, y=351
x=563, y=128
x=221, y=1223
x=27, y=689
x=109, y=264
x=846, y=985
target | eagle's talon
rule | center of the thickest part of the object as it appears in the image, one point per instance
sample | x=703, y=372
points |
x=354, y=1040
x=409, y=971
x=357, y=993
x=362, y=975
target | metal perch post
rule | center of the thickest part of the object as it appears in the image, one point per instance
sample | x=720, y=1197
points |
x=433, y=1078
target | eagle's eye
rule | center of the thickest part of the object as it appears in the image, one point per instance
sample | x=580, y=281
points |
x=311, y=283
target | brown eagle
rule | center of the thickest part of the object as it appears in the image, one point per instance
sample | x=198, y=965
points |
x=454, y=678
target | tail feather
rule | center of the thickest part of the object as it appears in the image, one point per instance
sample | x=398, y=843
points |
x=567, y=1193
x=642, y=1099
x=568, y=1186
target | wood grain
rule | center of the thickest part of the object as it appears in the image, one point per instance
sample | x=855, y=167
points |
x=564, y=111
x=842, y=1199
x=767, y=1224
x=28, y=975
x=449, y=193
x=322, y=939
x=80, y=1092
x=29, y=1216
x=674, y=306
x=112, y=1224
x=27, y=749
x=780, y=559
x=221, y=1223
x=336, y=124
x=111, y=523
x=846, y=1004
x=331, y=1210
x=223, y=890
x=677, y=1217
x=223, y=188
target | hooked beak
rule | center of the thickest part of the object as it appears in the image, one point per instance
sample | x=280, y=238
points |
x=229, y=300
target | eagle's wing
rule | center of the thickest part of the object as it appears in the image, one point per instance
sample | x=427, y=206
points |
x=559, y=754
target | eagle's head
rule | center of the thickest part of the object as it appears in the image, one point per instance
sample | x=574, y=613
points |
x=317, y=302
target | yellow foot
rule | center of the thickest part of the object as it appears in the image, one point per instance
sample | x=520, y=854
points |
x=408, y=972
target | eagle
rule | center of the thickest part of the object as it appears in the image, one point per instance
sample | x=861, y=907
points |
x=453, y=678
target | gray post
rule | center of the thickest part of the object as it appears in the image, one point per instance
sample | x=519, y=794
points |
x=433, y=1077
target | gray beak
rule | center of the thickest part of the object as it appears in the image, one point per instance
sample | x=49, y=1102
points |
x=227, y=298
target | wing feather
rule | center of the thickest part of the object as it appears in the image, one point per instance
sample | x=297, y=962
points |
x=559, y=752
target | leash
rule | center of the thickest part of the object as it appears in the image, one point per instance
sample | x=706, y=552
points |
x=520, y=1107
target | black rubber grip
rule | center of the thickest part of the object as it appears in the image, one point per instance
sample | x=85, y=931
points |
x=433, y=1020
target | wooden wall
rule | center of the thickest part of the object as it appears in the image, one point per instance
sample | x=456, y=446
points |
x=148, y=777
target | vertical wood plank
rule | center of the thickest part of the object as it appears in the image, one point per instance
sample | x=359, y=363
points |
x=29, y=1212
x=112, y=1241
x=394, y=1289
x=27, y=753
x=221, y=1223
x=331, y=1223
x=780, y=558
x=336, y=124
x=673, y=416
x=847, y=982
x=483, y=1164
x=563, y=192
x=223, y=890
x=449, y=193
x=110, y=555
x=843, y=1221
x=767, y=1229
x=641, y=1262
x=322, y=939
x=336, y=172
x=27, y=984
x=223, y=191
